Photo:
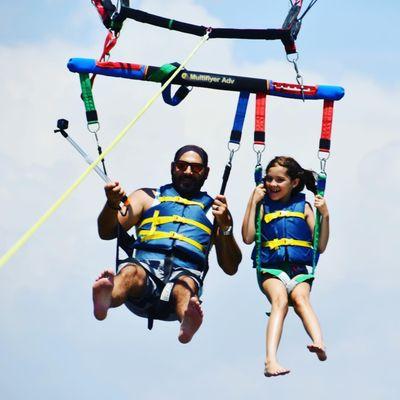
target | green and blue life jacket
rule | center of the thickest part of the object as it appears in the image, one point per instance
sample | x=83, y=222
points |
x=286, y=236
x=177, y=227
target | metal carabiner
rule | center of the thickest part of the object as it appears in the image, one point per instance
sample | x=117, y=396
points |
x=259, y=155
x=299, y=77
x=93, y=128
x=231, y=154
x=208, y=31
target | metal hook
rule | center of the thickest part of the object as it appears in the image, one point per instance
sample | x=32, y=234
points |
x=208, y=32
x=299, y=77
x=323, y=165
x=94, y=128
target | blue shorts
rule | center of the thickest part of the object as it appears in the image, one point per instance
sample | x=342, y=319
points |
x=161, y=277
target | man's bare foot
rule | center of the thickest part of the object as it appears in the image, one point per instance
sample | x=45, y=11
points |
x=102, y=289
x=272, y=368
x=192, y=319
x=319, y=350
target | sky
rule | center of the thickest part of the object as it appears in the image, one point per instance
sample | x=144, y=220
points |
x=50, y=344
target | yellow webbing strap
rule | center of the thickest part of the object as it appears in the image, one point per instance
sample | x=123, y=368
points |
x=281, y=214
x=29, y=233
x=154, y=224
x=180, y=200
x=148, y=235
x=274, y=244
x=156, y=220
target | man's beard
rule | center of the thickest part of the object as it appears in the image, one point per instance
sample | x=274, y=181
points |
x=187, y=185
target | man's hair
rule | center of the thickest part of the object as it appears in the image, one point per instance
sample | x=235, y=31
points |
x=192, y=147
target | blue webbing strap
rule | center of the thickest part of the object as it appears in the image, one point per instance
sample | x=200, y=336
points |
x=179, y=95
x=241, y=109
x=236, y=135
x=233, y=146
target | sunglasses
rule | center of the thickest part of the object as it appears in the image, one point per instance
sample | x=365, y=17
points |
x=194, y=167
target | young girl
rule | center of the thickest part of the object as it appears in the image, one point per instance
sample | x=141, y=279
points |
x=285, y=276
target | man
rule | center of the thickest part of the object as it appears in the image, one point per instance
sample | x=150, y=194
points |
x=171, y=252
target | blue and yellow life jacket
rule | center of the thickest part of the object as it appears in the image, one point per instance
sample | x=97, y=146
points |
x=286, y=236
x=177, y=227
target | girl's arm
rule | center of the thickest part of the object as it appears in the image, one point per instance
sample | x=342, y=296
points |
x=322, y=207
x=248, y=226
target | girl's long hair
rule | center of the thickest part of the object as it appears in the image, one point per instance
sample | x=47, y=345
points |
x=294, y=170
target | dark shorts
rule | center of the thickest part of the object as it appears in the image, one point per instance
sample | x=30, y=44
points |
x=289, y=274
x=161, y=277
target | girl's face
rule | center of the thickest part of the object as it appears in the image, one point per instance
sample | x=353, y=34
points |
x=278, y=183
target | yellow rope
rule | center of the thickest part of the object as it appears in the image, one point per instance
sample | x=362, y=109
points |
x=27, y=235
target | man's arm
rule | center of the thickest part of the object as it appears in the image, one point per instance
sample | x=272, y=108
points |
x=129, y=216
x=228, y=251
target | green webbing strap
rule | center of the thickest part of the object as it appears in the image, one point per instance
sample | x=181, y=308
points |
x=87, y=97
x=321, y=183
x=162, y=73
x=258, y=216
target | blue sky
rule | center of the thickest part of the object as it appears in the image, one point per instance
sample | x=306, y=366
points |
x=52, y=347
x=353, y=29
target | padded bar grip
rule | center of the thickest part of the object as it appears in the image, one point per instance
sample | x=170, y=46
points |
x=209, y=80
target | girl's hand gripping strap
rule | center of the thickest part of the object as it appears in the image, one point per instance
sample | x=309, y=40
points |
x=258, y=216
x=321, y=184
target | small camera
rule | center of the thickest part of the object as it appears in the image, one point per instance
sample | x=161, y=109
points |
x=62, y=124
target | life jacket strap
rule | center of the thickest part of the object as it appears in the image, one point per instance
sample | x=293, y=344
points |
x=156, y=220
x=180, y=200
x=282, y=214
x=276, y=243
x=146, y=235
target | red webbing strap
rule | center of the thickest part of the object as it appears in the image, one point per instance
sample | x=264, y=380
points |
x=326, y=130
x=119, y=65
x=109, y=43
x=100, y=9
x=259, y=130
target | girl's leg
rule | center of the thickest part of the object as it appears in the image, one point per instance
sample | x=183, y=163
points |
x=276, y=292
x=300, y=298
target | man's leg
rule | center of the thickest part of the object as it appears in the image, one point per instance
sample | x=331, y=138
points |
x=111, y=291
x=187, y=307
x=300, y=297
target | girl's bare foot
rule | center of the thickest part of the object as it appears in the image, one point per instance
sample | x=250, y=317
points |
x=102, y=290
x=272, y=368
x=191, y=322
x=319, y=350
